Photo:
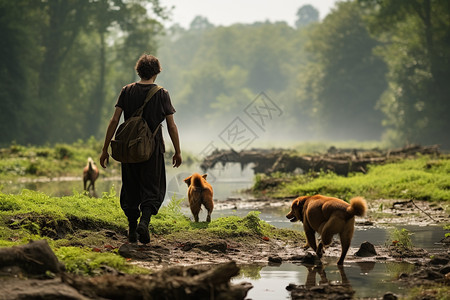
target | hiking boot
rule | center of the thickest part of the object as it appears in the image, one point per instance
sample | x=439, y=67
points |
x=132, y=236
x=143, y=233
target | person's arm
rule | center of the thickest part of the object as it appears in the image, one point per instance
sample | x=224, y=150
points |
x=173, y=133
x=109, y=135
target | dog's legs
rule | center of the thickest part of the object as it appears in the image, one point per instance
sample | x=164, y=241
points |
x=344, y=278
x=326, y=236
x=209, y=209
x=310, y=236
x=346, y=238
x=311, y=277
x=195, y=209
x=323, y=275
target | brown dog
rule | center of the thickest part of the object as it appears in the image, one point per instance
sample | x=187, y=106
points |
x=90, y=173
x=199, y=192
x=327, y=216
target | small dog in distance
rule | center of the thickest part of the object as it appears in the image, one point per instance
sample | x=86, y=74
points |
x=90, y=173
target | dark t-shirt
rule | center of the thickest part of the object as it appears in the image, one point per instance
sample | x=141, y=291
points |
x=133, y=96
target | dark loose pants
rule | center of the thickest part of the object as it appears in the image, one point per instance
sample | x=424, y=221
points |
x=143, y=186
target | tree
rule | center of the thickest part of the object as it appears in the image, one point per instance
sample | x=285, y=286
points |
x=17, y=67
x=416, y=43
x=200, y=23
x=344, y=81
x=306, y=15
x=61, y=58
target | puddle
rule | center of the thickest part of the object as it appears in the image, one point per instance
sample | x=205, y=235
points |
x=366, y=279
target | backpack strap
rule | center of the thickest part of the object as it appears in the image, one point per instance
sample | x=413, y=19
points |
x=150, y=94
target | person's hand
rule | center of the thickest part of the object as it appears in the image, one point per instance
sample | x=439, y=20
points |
x=176, y=160
x=104, y=158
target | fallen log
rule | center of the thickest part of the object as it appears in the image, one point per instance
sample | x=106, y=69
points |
x=37, y=258
x=173, y=283
x=341, y=162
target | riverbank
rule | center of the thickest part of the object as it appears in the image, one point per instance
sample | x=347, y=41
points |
x=88, y=235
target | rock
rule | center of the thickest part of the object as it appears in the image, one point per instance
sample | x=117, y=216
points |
x=445, y=269
x=390, y=296
x=149, y=253
x=309, y=259
x=366, y=250
x=34, y=258
x=439, y=260
x=275, y=259
x=427, y=274
x=215, y=246
x=446, y=240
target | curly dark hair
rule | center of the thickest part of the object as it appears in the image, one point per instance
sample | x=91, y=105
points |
x=147, y=66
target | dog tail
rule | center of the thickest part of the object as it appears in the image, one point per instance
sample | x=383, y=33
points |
x=358, y=207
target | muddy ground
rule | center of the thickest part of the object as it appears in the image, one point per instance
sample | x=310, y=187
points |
x=191, y=264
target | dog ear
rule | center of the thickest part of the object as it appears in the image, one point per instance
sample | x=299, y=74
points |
x=188, y=180
x=299, y=204
x=204, y=176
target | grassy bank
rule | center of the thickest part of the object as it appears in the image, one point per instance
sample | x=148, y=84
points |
x=18, y=161
x=77, y=228
x=424, y=178
x=49, y=161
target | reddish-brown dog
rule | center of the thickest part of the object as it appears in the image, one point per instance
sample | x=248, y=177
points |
x=90, y=173
x=327, y=216
x=199, y=192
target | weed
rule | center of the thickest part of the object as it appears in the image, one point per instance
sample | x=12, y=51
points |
x=400, y=239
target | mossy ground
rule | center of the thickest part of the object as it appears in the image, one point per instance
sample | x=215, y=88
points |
x=86, y=232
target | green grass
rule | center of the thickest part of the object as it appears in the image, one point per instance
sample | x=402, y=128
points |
x=49, y=161
x=34, y=215
x=18, y=161
x=83, y=261
x=424, y=178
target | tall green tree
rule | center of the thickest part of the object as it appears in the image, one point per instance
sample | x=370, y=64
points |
x=19, y=61
x=344, y=79
x=306, y=15
x=62, y=59
x=416, y=47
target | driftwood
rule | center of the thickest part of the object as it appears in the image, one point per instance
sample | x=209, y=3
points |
x=34, y=258
x=172, y=283
x=341, y=162
x=37, y=258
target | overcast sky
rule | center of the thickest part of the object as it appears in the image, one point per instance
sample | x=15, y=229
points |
x=227, y=12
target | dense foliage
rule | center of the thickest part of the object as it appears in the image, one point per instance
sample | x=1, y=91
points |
x=62, y=62
x=370, y=70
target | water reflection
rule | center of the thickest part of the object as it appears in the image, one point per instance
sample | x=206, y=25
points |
x=368, y=279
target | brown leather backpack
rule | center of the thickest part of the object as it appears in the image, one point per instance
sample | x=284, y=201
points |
x=134, y=142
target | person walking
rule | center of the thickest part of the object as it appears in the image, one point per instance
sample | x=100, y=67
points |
x=144, y=184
